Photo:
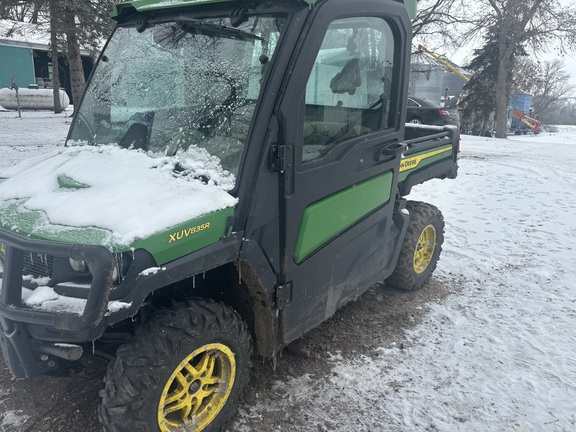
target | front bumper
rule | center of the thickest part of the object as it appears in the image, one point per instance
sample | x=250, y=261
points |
x=99, y=260
x=31, y=338
x=16, y=319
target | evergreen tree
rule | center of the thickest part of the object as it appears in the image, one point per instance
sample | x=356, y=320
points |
x=74, y=26
x=481, y=97
x=85, y=25
x=547, y=81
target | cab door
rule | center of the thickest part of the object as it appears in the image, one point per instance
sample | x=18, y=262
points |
x=342, y=134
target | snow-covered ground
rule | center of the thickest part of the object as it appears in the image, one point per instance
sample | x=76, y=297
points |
x=498, y=356
x=35, y=133
x=501, y=354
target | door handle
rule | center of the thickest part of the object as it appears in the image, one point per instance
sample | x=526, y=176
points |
x=390, y=151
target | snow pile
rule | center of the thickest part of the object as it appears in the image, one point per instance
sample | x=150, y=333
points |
x=46, y=299
x=13, y=418
x=127, y=192
x=37, y=132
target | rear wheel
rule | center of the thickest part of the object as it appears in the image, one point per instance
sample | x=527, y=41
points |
x=421, y=249
x=184, y=370
x=415, y=120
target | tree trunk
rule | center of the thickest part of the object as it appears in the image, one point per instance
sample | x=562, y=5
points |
x=502, y=99
x=484, y=126
x=77, y=80
x=54, y=53
x=513, y=19
x=502, y=85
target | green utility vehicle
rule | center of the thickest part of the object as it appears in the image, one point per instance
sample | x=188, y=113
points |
x=235, y=172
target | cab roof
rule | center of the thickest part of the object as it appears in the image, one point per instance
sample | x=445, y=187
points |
x=147, y=5
x=123, y=9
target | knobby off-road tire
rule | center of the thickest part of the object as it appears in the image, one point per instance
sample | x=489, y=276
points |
x=184, y=370
x=421, y=248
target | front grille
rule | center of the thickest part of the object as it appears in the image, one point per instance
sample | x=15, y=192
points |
x=37, y=265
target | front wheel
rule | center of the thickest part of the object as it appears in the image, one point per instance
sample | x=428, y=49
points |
x=184, y=370
x=421, y=248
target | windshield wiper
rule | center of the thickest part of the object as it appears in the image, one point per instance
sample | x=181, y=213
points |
x=196, y=26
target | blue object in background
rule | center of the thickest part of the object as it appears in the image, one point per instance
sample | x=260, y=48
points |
x=522, y=102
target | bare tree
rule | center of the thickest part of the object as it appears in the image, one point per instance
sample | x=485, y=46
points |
x=560, y=113
x=21, y=10
x=439, y=21
x=534, y=23
x=547, y=82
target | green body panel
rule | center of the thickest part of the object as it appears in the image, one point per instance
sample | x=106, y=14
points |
x=411, y=7
x=16, y=62
x=66, y=182
x=327, y=218
x=188, y=237
x=144, y=5
x=15, y=218
x=424, y=159
x=164, y=246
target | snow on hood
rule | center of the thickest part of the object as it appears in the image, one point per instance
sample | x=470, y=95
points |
x=131, y=193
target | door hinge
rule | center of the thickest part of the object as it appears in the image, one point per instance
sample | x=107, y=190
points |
x=278, y=158
x=283, y=295
x=280, y=297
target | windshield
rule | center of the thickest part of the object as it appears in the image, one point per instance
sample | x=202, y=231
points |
x=171, y=88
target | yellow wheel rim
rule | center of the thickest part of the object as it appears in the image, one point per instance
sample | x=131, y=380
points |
x=424, y=249
x=197, y=389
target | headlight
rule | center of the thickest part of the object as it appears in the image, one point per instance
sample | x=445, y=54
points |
x=78, y=266
x=122, y=263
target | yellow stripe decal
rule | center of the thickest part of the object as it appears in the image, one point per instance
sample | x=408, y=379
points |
x=412, y=162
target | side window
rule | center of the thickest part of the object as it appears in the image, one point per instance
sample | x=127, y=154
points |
x=348, y=92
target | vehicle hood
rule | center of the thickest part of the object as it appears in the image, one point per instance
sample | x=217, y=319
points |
x=106, y=195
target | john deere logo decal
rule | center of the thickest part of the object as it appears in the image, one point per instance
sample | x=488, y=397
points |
x=414, y=161
x=188, y=232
